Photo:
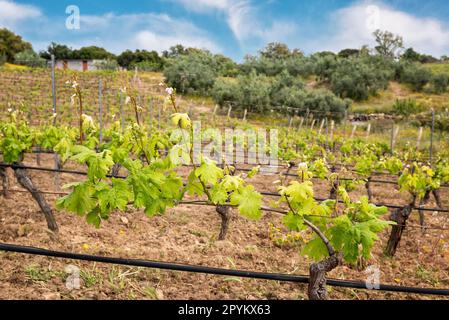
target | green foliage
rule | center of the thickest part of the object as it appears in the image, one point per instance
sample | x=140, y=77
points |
x=418, y=179
x=15, y=138
x=29, y=58
x=193, y=73
x=416, y=76
x=407, y=107
x=440, y=83
x=358, y=79
x=388, y=44
x=108, y=64
x=11, y=44
x=352, y=231
x=142, y=59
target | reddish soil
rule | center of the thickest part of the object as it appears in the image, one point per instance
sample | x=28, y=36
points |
x=187, y=234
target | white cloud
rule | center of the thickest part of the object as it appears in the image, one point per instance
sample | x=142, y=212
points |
x=206, y=5
x=244, y=19
x=149, y=31
x=354, y=26
x=11, y=13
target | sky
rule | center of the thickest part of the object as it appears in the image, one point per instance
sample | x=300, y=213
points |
x=230, y=27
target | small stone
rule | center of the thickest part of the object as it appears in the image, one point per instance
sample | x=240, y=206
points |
x=124, y=220
x=52, y=296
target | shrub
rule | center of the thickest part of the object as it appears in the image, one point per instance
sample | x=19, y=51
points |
x=29, y=58
x=107, y=65
x=225, y=90
x=358, y=80
x=146, y=66
x=407, y=107
x=416, y=76
x=440, y=82
x=324, y=104
x=194, y=73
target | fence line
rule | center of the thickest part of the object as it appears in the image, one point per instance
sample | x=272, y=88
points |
x=356, y=284
x=391, y=206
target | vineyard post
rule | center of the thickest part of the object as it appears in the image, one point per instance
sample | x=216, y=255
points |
x=122, y=116
x=301, y=123
x=327, y=133
x=418, y=140
x=290, y=120
x=392, y=140
x=189, y=111
x=214, y=116
x=353, y=131
x=57, y=161
x=100, y=108
x=244, y=114
x=229, y=112
x=53, y=84
x=313, y=122
x=345, y=121
x=321, y=126
x=159, y=116
x=431, y=136
x=307, y=116
x=150, y=107
x=368, y=130
x=332, y=130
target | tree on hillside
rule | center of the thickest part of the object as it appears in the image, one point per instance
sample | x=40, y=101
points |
x=143, y=59
x=411, y=55
x=92, y=52
x=60, y=51
x=388, y=43
x=346, y=53
x=277, y=50
x=11, y=44
x=175, y=51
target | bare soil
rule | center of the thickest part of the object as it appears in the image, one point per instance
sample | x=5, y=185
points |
x=187, y=234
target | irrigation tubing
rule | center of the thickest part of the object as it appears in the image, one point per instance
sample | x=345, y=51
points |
x=215, y=271
x=273, y=194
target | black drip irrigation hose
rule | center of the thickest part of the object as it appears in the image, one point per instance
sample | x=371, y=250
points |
x=215, y=271
x=78, y=172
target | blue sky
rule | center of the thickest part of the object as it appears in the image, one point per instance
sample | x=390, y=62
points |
x=231, y=27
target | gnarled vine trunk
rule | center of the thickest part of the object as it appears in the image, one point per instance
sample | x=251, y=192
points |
x=25, y=181
x=400, y=216
x=115, y=169
x=317, y=282
x=225, y=216
x=5, y=181
x=437, y=196
x=368, y=189
x=422, y=203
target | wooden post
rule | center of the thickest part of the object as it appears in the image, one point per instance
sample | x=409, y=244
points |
x=122, y=112
x=321, y=126
x=332, y=130
x=301, y=123
x=100, y=108
x=244, y=114
x=418, y=140
x=353, y=131
x=431, y=136
x=368, y=130
x=311, y=126
x=159, y=116
x=229, y=112
x=150, y=109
